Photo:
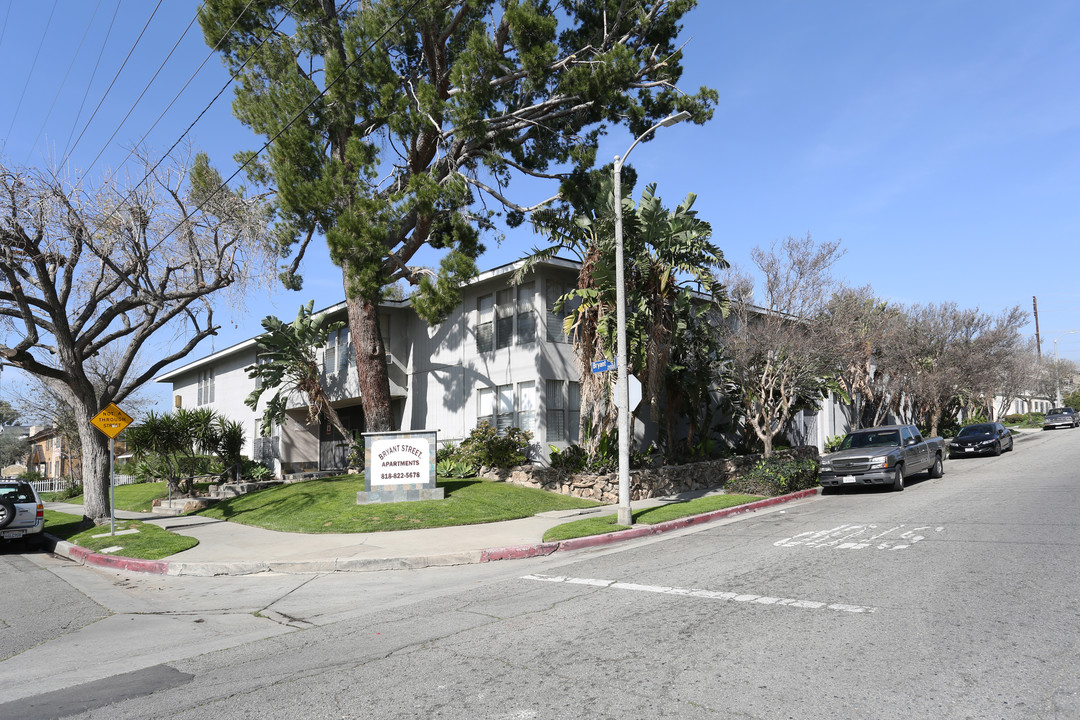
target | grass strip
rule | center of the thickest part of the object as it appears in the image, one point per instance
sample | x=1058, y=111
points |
x=139, y=497
x=646, y=516
x=150, y=543
x=328, y=505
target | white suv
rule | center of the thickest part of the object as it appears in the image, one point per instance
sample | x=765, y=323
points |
x=22, y=515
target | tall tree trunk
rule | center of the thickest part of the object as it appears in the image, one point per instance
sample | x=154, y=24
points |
x=95, y=462
x=370, y=364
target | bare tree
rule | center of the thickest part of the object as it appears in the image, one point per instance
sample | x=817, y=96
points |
x=859, y=326
x=1001, y=364
x=778, y=357
x=947, y=359
x=86, y=269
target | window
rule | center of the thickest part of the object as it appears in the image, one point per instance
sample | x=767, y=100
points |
x=505, y=418
x=339, y=353
x=563, y=412
x=504, y=318
x=206, y=387
x=500, y=313
x=485, y=331
x=574, y=413
x=485, y=408
x=555, y=319
x=503, y=409
x=556, y=412
x=258, y=378
x=526, y=315
x=526, y=406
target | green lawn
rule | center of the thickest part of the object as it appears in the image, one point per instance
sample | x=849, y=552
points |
x=133, y=498
x=328, y=505
x=648, y=516
x=150, y=543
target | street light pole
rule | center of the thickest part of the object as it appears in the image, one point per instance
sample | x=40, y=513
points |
x=622, y=384
x=1057, y=380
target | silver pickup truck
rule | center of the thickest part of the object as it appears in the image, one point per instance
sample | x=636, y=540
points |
x=883, y=456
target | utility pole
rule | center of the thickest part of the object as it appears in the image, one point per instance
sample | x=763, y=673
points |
x=1038, y=341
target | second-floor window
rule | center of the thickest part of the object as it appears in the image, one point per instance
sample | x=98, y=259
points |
x=206, y=387
x=505, y=315
x=339, y=353
x=555, y=320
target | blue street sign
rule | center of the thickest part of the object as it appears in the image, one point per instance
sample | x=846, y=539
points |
x=603, y=365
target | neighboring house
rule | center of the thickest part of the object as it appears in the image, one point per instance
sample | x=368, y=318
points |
x=1028, y=404
x=50, y=454
x=501, y=356
x=14, y=433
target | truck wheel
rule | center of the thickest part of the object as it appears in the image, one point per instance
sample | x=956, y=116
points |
x=898, y=479
x=937, y=469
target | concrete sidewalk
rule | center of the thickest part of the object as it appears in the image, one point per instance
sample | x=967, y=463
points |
x=227, y=548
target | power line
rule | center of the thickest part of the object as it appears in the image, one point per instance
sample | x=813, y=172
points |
x=29, y=75
x=3, y=28
x=90, y=83
x=113, y=81
x=180, y=92
x=60, y=87
x=141, y=94
x=300, y=114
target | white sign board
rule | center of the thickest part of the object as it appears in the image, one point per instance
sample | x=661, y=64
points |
x=400, y=461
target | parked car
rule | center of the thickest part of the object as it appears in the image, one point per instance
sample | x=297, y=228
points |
x=22, y=514
x=882, y=456
x=981, y=439
x=1061, y=417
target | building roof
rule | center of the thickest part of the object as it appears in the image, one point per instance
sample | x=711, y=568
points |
x=248, y=344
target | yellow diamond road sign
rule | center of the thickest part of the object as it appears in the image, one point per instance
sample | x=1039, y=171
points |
x=112, y=420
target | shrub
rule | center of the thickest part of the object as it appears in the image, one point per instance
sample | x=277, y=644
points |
x=571, y=460
x=775, y=476
x=254, y=470
x=833, y=443
x=485, y=447
x=31, y=476
x=72, y=489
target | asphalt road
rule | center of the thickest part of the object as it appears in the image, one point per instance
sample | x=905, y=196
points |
x=956, y=598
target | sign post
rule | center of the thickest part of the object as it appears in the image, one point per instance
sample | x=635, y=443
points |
x=111, y=421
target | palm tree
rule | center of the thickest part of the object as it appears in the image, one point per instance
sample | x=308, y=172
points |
x=287, y=364
x=671, y=284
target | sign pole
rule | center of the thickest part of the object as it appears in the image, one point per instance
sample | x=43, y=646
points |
x=111, y=421
x=112, y=489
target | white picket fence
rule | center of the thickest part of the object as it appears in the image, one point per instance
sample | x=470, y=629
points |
x=58, y=484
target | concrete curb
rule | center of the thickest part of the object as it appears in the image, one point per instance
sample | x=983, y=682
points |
x=518, y=552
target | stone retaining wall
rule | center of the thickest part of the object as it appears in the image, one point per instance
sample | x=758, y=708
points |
x=647, y=483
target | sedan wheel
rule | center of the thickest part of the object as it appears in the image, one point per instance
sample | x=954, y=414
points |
x=997, y=448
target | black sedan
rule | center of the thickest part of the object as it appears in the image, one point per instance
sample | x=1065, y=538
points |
x=981, y=439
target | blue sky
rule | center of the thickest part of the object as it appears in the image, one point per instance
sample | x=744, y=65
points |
x=940, y=141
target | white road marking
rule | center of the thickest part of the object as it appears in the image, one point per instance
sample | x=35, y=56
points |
x=859, y=537
x=708, y=594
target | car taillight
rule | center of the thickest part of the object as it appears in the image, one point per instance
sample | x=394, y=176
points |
x=40, y=511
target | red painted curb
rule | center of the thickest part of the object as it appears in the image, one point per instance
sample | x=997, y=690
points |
x=151, y=567
x=644, y=530
x=595, y=540
x=518, y=552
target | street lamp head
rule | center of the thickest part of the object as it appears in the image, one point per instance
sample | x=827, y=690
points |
x=676, y=118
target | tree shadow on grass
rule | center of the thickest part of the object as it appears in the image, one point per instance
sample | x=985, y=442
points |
x=451, y=486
